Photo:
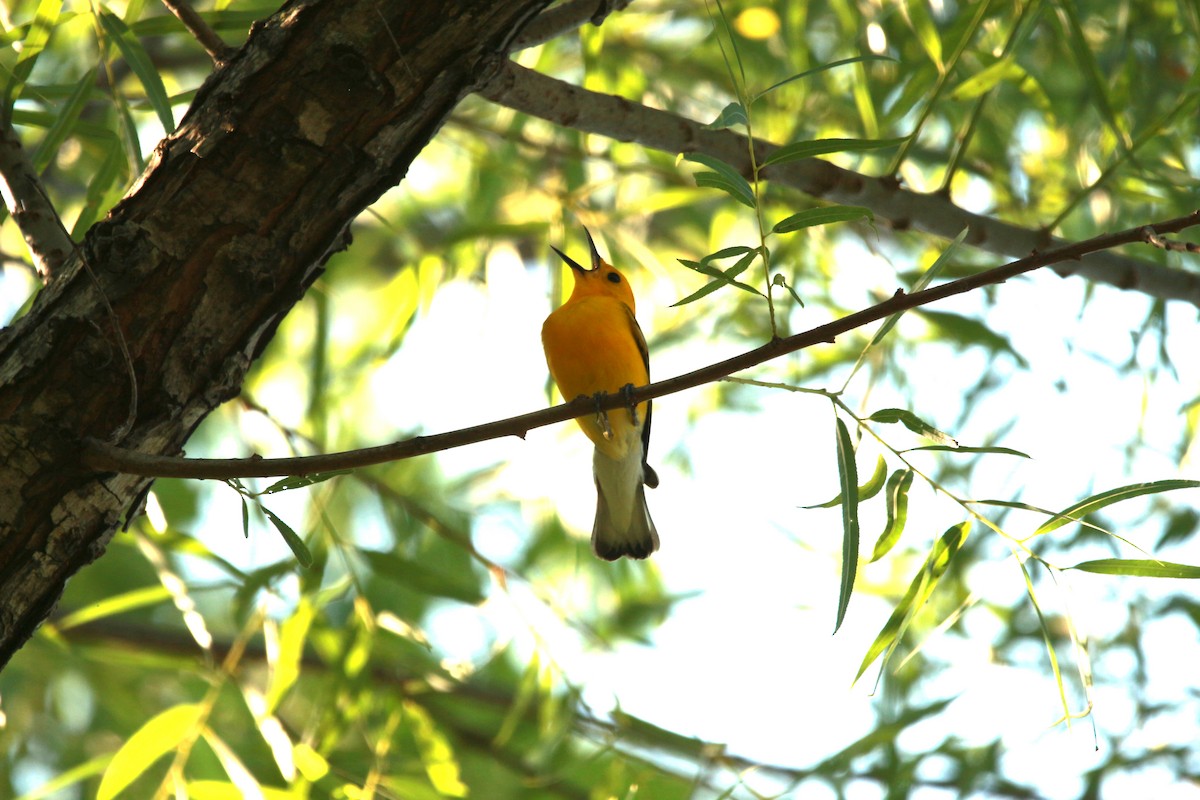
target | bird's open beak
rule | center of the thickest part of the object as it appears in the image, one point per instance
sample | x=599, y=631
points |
x=573, y=264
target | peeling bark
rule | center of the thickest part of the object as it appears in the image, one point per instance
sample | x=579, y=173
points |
x=320, y=112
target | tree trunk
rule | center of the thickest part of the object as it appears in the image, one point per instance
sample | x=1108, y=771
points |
x=321, y=111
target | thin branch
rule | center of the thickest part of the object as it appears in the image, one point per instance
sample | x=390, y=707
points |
x=26, y=200
x=564, y=18
x=108, y=458
x=571, y=106
x=216, y=48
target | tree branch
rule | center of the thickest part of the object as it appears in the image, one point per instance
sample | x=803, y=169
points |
x=566, y=17
x=216, y=48
x=26, y=200
x=553, y=100
x=109, y=458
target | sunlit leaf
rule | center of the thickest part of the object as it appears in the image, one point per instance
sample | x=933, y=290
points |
x=913, y=423
x=1138, y=567
x=897, y=512
x=866, y=491
x=961, y=448
x=159, y=735
x=1096, y=502
x=919, y=591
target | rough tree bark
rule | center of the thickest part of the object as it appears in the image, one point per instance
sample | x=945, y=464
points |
x=321, y=111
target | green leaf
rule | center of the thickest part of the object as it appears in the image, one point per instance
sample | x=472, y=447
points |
x=822, y=216
x=299, y=548
x=723, y=277
x=1139, y=567
x=425, y=577
x=848, y=476
x=866, y=491
x=797, y=151
x=819, y=69
x=1098, y=501
x=958, y=448
x=116, y=604
x=300, y=481
x=732, y=114
x=159, y=736
x=141, y=65
x=37, y=36
x=723, y=177
x=919, y=591
x=245, y=519
x=897, y=512
x=285, y=664
x=982, y=82
x=913, y=423
x=64, y=122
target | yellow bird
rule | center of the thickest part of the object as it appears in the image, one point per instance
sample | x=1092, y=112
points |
x=593, y=344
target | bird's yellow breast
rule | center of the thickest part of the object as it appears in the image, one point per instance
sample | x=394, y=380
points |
x=592, y=345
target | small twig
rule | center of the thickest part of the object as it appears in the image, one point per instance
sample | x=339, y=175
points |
x=216, y=48
x=49, y=243
x=1150, y=236
x=107, y=458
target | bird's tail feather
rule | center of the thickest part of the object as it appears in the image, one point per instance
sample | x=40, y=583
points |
x=623, y=526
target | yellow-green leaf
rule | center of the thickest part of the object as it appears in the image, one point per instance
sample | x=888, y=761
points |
x=160, y=735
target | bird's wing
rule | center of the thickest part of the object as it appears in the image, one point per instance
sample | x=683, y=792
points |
x=635, y=329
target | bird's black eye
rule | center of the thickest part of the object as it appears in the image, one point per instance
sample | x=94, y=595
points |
x=613, y=277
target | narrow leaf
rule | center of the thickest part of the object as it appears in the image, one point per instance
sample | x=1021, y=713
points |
x=117, y=604
x=918, y=593
x=45, y=19
x=797, y=151
x=821, y=68
x=300, y=481
x=866, y=491
x=159, y=736
x=982, y=82
x=724, y=177
x=897, y=512
x=822, y=216
x=1098, y=501
x=1004, y=451
x=141, y=65
x=1139, y=567
x=913, y=423
x=64, y=123
x=739, y=190
x=848, y=476
x=299, y=548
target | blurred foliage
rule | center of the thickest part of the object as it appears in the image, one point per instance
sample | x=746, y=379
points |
x=433, y=647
